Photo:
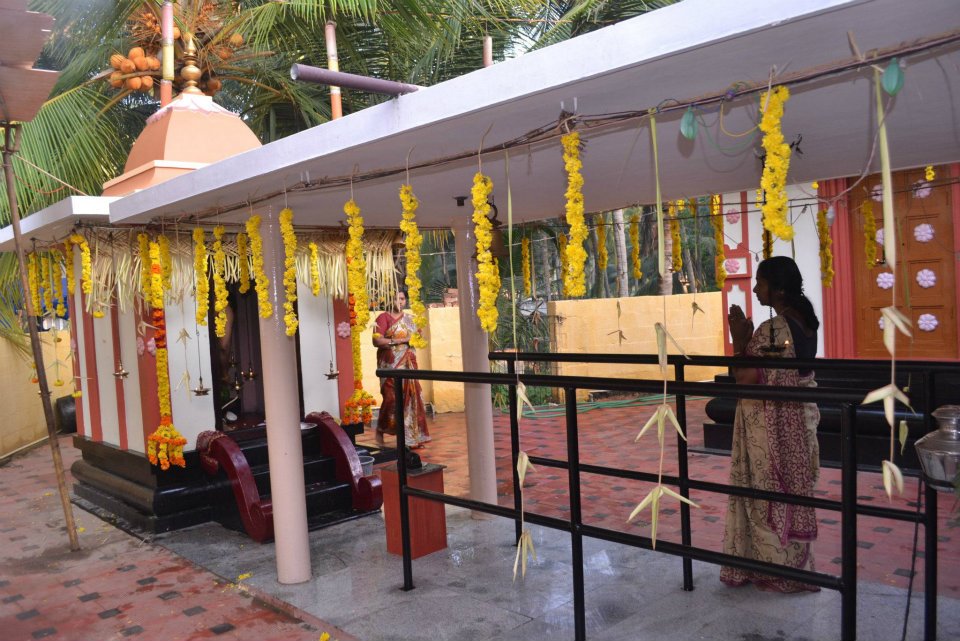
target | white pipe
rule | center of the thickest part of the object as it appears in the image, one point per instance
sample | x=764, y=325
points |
x=478, y=403
x=282, y=403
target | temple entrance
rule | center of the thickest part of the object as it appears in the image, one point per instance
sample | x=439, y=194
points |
x=926, y=274
x=236, y=363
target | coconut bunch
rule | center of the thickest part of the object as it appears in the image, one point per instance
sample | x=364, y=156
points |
x=208, y=22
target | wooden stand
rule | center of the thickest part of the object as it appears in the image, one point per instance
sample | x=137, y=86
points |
x=428, y=524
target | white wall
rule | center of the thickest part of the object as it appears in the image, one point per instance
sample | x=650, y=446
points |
x=133, y=408
x=191, y=414
x=315, y=312
x=106, y=366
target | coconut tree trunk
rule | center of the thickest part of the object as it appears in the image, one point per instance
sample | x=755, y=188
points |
x=620, y=242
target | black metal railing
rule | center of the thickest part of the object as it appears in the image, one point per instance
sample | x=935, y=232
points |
x=847, y=506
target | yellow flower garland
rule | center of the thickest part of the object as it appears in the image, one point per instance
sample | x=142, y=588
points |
x=359, y=407
x=576, y=255
x=33, y=281
x=562, y=251
x=826, y=251
x=635, y=247
x=86, y=267
x=165, y=444
x=57, y=285
x=929, y=174
x=200, y=275
x=144, y=242
x=314, y=268
x=289, y=271
x=243, y=257
x=602, y=257
x=45, y=279
x=413, y=240
x=68, y=264
x=716, y=219
x=767, y=240
x=677, y=249
x=525, y=257
x=262, y=282
x=219, y=283
x=777, y=163
x=488, y=276
x=869, y=234
x=166, y=263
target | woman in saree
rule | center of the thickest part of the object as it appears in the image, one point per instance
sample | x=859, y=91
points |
x=392, y=339
x=774, y=442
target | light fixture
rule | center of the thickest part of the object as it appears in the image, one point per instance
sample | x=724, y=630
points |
x=688, y=124
x=939, y=451
x=892, y=79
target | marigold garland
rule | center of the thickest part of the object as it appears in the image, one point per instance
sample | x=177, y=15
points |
x=676, y=250
x=144, y=243
x=525, y=258
x=359, y=407
x=166, y=262
x=243, y=255
x=602, y=257
x=777, y=163
x=576, y=255
x=165, y=444
x=314, y=268
x=289, y=271
x=562, y=251
x=33, y=281
x=767, y=240
x=68, y=264
x=56, y=284
x=86, y=266
x=716, y=219
x=635, y=247
x=929, y=174
x=45, y=279
x=262, y=282
x=413, y=239
x=869, y=234
x=488, y=276
x=219, y=283
x=200, y=275
x=826, y=251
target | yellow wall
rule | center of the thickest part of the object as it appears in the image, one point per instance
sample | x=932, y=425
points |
x=22, y=404
x=584, y=326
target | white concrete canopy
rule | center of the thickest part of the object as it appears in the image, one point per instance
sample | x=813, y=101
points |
x=53, y=223
x=689, y=51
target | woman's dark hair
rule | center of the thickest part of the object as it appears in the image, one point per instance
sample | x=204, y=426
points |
x=782, y=273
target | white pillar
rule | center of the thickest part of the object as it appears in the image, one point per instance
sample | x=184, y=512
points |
x=473, y=341
x=282, y=403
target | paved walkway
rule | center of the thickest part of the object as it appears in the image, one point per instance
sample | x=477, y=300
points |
x=207, y=582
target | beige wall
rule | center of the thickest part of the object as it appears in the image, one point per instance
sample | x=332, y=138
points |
x=25, y=424
x=584, y=326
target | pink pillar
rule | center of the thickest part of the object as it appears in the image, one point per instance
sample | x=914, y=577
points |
x=478, y=403
x=282, y=403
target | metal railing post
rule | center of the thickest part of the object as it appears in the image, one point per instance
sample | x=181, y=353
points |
x=684, y=473
x=515, y=447
x=576, y=516
x=929, y=523
x=848, y=523
x=402, y=483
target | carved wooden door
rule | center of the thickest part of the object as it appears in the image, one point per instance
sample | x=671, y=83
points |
x=925, y=277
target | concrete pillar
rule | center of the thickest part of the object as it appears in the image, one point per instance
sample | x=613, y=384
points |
x=473, y=341
x=282, y=403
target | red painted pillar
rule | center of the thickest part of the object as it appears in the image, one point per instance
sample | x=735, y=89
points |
x=839, y=315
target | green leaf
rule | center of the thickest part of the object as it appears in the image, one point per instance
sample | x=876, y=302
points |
x=904, y=432
x=893, y=77
x=688, y=124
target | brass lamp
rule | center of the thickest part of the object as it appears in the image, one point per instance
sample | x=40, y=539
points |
x=939, y=451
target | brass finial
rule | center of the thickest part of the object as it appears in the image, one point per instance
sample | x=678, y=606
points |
x=191, y=72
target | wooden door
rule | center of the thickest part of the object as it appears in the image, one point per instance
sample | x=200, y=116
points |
x=926, y=276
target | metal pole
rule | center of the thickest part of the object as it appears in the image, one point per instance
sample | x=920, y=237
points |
x=11, y=143
x=166, y=55
x=684, y=473
x=487, y=51
x=848, y=523
x=402, y=485
x=515, y=450
x=930, y=563
x=321, y=76
x=576, y=537
x=333, y=63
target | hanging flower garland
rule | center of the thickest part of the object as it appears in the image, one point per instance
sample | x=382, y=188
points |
x=314, y=268
x=777, y=163
x=413, y=240
x=34, y=283
x=635, y=247
x=200, y=275
x=86, y=266
x=56, y=285
x=45, y=279
x=262, y=282
x=603, y=259
x=289, y=271
x=869, y=234
x=359, y=407
x=243, y=258
x=716, y=219
x=826, y=249
x=143, y=241
x=488, y=276
x=576, y=256
x=525, y=258
x=219, y=283
x=68, y=265
x=767, y=239
x=677, y=250
x=166, y=263
x=165, y=445
x=929, y=174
